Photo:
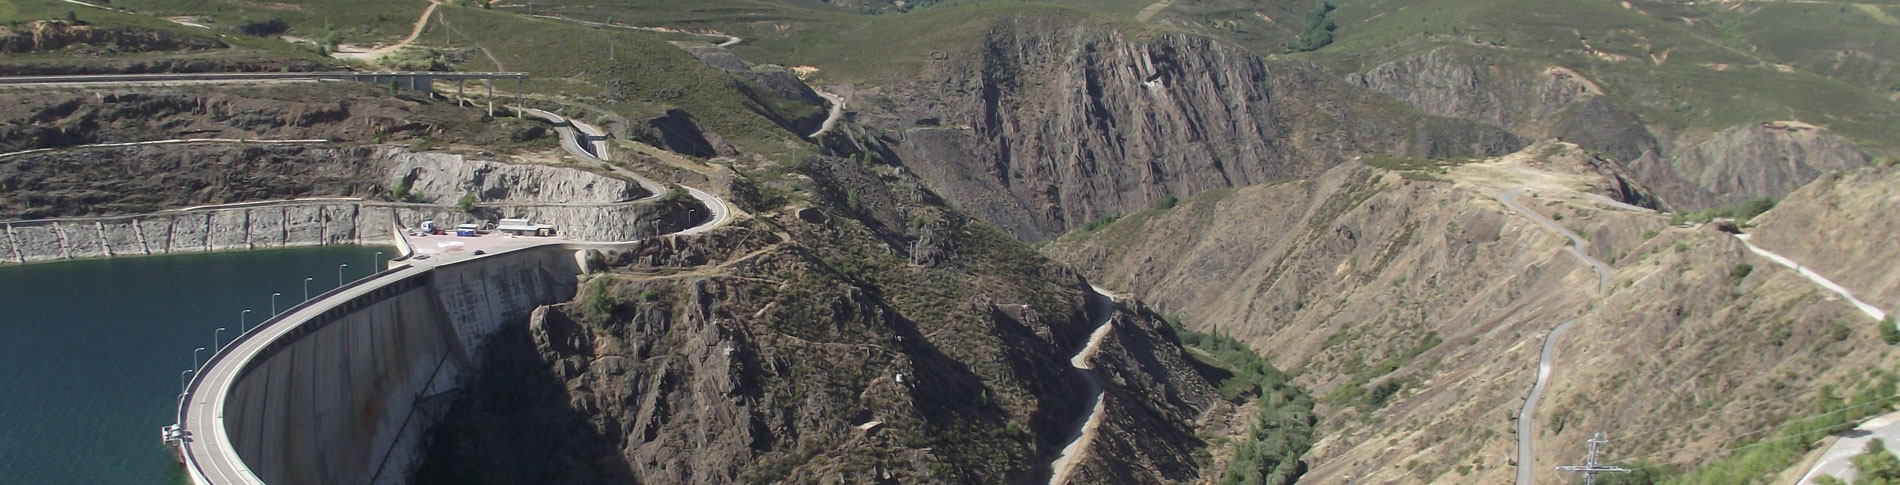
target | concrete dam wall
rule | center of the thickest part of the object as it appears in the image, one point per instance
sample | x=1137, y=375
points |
x=346, y=397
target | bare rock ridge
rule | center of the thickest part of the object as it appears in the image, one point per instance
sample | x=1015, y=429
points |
x=1763, y=158
x=803, y=350
x=1750, y=161
x=1051, y=122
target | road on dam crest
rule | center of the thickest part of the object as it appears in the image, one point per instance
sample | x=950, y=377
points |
x=203, y=433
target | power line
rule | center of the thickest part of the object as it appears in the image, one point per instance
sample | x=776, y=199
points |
x=1591, y=466
x=1800, y=421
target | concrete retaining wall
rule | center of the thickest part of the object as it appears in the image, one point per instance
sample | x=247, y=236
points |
x=347, y=397
x=294, y=224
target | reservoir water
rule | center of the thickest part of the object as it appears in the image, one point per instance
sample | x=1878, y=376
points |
x=91, y=351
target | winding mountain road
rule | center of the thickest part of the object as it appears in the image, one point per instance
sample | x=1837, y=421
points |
x=1078, y=446
x=1526, y=418
x=1865, y=308
x=1835, y=461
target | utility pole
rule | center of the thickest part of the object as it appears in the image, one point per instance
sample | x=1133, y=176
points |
x=1591, y=466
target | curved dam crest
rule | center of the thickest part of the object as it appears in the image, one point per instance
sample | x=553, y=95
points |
x=345, y=396
x=340, y=388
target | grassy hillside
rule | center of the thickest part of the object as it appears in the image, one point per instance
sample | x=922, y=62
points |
x=15, y=12
x=644, y=75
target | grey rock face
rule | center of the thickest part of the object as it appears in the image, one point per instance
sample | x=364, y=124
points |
x=446, y=178
x=1748, y=162
x=1049, y=126
x=1743, y=162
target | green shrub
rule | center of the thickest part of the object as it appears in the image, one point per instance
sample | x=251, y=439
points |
x=1889, y=332
x=1166, y=202
x=1741, y=270
x=1100, y=222
x=467, y=203
x=1319, y=28
x=599, y=305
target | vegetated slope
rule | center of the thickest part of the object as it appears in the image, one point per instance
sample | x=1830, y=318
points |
x=55, y=37
x=807, y=346
x=1040, y=119
x=52, y=35
x=1413, y=305
x=642, y=76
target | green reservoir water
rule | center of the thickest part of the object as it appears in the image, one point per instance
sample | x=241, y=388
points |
x=90, y=351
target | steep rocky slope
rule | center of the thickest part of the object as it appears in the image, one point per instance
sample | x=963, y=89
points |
x=805, y=346
x=1414, y=304
x=1687, y=169
x=1835, y=226
x=1050, y=120
x=1747, y=162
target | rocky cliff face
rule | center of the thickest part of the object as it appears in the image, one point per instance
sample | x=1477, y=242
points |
x=1424, y=302
x=138, y=179
x=1480, y=88
x=807, y=349
x=1753, y=160
x=1050, y=122
x=446, y=178
x=1746, y=162
x=52, y=35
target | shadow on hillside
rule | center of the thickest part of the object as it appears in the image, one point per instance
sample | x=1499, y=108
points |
x=515, y=426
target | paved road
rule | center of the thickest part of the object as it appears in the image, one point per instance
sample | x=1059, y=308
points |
x=1578, y=243
x=1085, y=429
x=1835, y=461
x=1525, y=421
x=208, y=451
x=1526, y=417
x=1886, y=427
x=1870, y=310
